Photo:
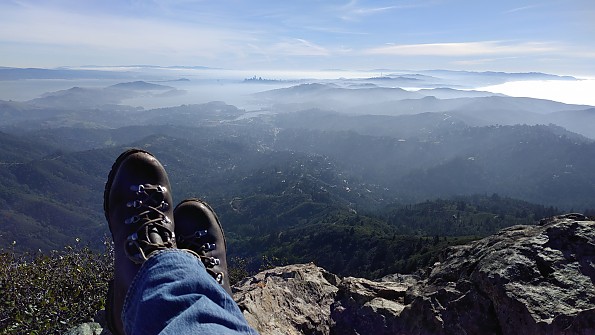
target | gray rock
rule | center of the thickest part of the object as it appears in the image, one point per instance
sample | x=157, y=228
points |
x=367, y=307
x=523, y=280
x=294, y=299
x=89, y=328
x=97, y=327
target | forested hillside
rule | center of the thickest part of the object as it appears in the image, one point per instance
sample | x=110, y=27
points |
x=356, y=192
x=285, y=199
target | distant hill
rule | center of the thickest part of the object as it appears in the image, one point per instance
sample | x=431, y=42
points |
x=327, y=95
x=87, y=108
x=487, y=78
x=80, y=97
x=472, y=108
x=526, y=162
x=580, y=121
x=451, y=93
x=360, y=170
x=141, y=86
x=400, y=127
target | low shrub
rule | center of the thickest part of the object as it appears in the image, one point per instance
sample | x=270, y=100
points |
x=48, y=293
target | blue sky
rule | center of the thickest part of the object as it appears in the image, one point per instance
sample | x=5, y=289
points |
x=555, y=36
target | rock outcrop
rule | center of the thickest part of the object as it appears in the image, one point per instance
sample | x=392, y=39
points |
x=289, y=300
x=523, y=280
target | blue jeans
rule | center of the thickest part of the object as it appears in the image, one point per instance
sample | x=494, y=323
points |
x=172, y=293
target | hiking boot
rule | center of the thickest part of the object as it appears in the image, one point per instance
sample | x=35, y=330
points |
x=138, y=208
x=198, y=229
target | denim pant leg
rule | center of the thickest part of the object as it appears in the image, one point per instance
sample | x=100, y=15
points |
x=173, y=294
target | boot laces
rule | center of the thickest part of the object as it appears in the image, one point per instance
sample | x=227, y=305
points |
x=194, y=243
x=150, y=220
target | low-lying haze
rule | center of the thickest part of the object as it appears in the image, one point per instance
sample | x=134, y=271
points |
x=194, y=86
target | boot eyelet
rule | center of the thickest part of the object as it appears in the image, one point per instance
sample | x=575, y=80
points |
x=135, y=203
x=208, y=247
x=133, y=219
x=200, y=233
x=137, y=188
x=219, y=278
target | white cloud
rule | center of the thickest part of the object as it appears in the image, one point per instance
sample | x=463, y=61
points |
x=145, y=38
x=38, y=25
x=572, y=92
x=463, y=49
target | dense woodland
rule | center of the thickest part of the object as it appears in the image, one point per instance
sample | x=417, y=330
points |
x=357, y=204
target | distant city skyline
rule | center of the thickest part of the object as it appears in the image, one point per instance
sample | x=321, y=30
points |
x=552, y=36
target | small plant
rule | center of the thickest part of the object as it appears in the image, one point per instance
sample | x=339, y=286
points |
x=237, y=269
x=48, y=293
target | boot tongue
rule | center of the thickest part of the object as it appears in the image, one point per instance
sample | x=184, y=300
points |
x=154, y=199
x=154, y=235
x=155, y=196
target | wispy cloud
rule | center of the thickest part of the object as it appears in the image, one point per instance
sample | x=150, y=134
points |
x=148, y=38
x=482, y=61
x=463, y=49
x=520, y=9
x=299, y=47
x=371, y=10
x=334, y=30
x=353, y=11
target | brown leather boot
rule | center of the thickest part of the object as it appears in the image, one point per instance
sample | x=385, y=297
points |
x=138, y=208
x=198, y=229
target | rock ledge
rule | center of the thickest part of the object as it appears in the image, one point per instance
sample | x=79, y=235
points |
x=523, y=280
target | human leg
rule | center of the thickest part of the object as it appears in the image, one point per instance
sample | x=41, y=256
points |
x=174, y=294
x=162, y=289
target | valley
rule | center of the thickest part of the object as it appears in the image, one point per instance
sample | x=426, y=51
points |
x=362, y=179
